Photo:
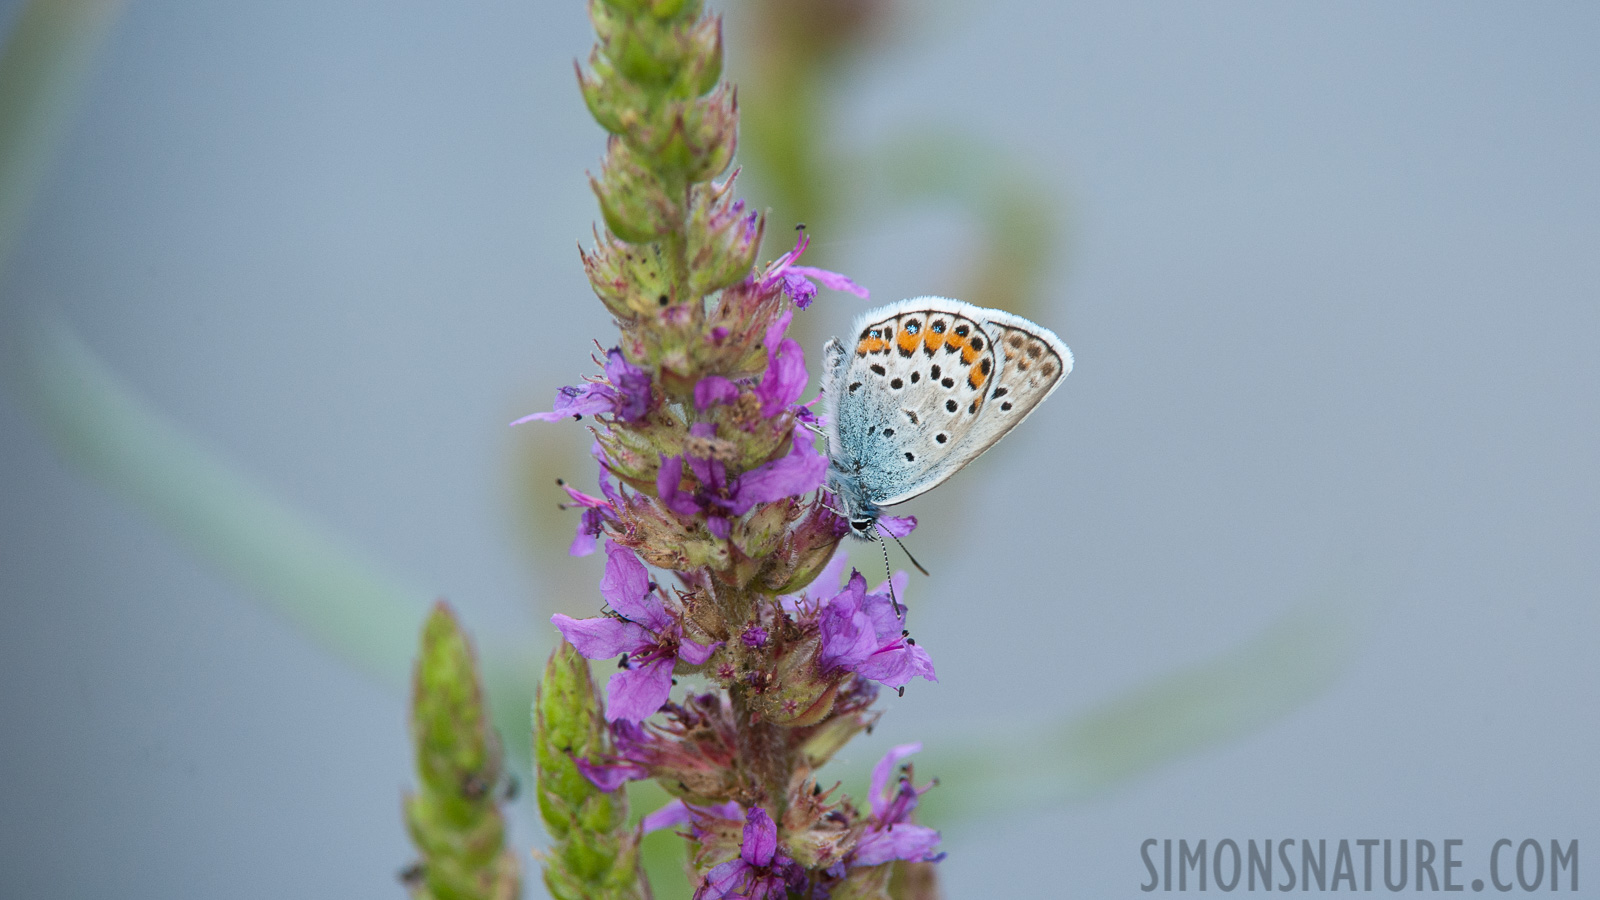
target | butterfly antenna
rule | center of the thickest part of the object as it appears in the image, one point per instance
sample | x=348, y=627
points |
x=887, y=574
x=912, y=558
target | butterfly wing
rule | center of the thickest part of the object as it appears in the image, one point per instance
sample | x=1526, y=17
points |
x=1032, y=362
x=914, y=399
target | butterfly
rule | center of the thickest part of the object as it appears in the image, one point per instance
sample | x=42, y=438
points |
x=929, y=385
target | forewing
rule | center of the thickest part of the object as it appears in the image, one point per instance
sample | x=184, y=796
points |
x=911, y=394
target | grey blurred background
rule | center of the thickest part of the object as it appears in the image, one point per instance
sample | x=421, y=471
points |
x=1330, y=276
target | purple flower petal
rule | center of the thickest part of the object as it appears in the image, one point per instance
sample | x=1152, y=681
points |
x=760, y=838
x=897, y=664
x=635, y=694
x=718, y=526
x=607, y=489
x=755, y=636
x=632, y=386
x=709, y=472
x=696, y=654
x=590, y=527
x=626, y=586
x=848, y=638
x=721, y=880
x=878, y=793
x=901, y=841
x=673, y=815
x=729, y=810
x=668, y=480
x=589, y=399
x=897, y=526
x=602, y=637
x=785, y=378
x=608, y=776
x=821, y=589
x=831, y=280
x=584, y=500
x=714, y=389
x=583, y=543
x=879, y=605
x=800, y=472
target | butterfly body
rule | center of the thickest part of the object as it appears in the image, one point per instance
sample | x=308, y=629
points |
x=925, y=387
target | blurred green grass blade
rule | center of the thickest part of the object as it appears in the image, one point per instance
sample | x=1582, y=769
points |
x=45, y=64
x=340, y=601
x=100, y=426
x=1175, y=715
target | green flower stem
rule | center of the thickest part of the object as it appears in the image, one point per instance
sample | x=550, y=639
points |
x=455, y=819
x=595, y=855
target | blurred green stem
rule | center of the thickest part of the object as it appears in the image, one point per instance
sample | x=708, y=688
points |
x=43, y=70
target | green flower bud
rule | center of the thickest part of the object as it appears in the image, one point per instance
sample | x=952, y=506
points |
x=454, y=819
x=630, y=279
x=633, y=201
x=724, y=238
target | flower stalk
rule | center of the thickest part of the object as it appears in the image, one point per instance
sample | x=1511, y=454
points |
x=721, y=547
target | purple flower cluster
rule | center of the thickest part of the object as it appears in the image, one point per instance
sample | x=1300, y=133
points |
x=719, y=497
x=861, y=632
x=643, y=629
x=765, y=865
x=761, y=871
x=864, y=634
x=625, y=394
x=710, y=477
x=597, y=512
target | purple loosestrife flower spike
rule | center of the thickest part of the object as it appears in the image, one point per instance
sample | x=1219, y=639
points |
x=697, y=412
x=646, y=631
